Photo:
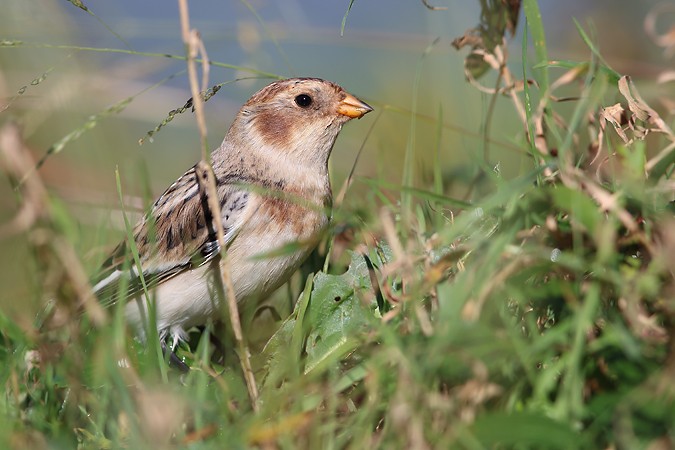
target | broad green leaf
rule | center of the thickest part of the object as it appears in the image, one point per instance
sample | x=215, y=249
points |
x=337, y=312
x=326, y=323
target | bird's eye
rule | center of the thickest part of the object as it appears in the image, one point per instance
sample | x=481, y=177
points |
x=303, y=100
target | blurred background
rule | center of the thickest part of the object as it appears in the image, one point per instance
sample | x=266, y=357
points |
x=67, y=82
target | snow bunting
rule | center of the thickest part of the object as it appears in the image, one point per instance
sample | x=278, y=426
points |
x=273, y=187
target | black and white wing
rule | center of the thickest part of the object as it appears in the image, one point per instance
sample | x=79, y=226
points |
x=178, y=234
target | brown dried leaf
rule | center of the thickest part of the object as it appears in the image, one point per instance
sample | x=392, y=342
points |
x=471, y=38
x=640, y=108
x=613, y=114
x=497, y=18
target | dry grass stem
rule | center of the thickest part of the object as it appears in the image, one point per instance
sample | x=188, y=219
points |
x=205, y=175
x=17, y=161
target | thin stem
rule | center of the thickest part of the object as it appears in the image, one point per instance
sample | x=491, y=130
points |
x=207, y=185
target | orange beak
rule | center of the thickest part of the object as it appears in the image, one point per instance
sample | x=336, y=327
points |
x=353, y=108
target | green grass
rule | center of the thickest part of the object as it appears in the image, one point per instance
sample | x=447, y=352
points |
x=538, y=312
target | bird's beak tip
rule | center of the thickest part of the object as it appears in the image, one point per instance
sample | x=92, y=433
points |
x=353, y=108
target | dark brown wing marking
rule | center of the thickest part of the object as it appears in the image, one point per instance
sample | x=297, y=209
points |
x=175, y=236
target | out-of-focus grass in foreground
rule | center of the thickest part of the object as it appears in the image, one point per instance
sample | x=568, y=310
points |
x=516, y=302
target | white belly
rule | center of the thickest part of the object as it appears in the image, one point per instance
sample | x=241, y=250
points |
x=190, y=298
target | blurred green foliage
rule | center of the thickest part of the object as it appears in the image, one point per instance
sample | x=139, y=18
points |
x=516, y=295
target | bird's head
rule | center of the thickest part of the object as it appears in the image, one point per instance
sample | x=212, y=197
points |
x=299, y=118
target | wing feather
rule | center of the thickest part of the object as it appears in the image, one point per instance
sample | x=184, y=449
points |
x=177, y=235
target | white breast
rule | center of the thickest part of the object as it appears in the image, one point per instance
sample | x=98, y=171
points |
x=189, y=299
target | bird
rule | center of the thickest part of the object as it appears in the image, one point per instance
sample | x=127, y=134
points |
x=273, y=188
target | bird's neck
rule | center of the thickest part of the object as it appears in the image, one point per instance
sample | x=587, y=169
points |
x=272, y=170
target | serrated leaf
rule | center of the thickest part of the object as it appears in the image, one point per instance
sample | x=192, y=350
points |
x=337, y=313
x=329, y=319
